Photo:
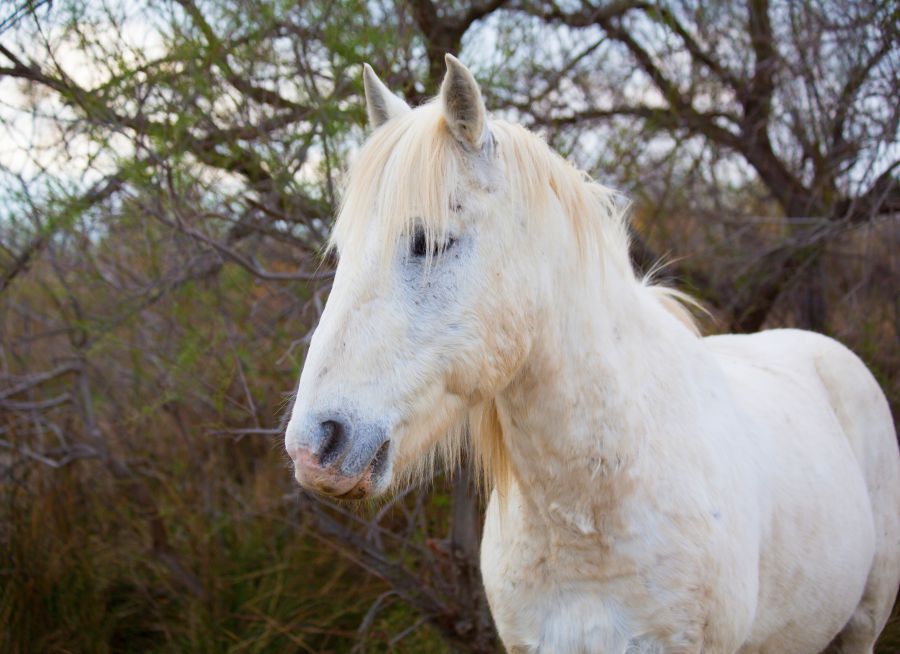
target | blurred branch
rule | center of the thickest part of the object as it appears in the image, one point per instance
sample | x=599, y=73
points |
x=76, y=453
x=882, y=198
x=20, y=10
x=40, y=405
x=39, y=378
x=21, y=261
x=422, y=597
x=588, y=16
x=697, y=52
x=443, y=31
x=233, y=255
x=205, y=146
x=746, y=132
x=97, y=193
x=757, y=100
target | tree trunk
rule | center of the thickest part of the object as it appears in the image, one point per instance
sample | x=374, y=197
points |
x=812, y=309
x=465, y=542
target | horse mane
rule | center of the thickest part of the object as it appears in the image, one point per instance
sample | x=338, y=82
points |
x=406, y=176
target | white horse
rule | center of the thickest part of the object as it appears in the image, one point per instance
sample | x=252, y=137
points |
x=653, y=491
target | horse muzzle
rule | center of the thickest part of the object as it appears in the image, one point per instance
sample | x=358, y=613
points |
x=336, y=457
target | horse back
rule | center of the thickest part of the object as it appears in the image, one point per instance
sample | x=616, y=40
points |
x=806, y=362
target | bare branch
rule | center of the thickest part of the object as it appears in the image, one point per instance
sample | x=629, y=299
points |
x=37, y=379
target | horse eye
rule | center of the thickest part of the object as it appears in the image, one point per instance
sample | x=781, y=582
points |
x=419, y=243
x=418, y=247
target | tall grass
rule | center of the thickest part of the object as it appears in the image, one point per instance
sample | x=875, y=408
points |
x=90, y=565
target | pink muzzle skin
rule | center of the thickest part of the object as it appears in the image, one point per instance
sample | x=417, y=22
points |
x=329, y=480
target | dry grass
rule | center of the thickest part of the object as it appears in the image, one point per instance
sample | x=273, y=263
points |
x=91, y=566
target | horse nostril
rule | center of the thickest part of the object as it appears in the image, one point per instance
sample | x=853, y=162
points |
x=333, y=440
x=378, y=463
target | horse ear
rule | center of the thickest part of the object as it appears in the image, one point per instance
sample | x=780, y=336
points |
x=381, y=104
x=463, y=107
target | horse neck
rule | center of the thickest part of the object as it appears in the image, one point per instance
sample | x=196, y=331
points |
x=607, y=381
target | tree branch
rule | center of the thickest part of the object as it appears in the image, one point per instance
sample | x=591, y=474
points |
x=590, y=15
x=697, y=52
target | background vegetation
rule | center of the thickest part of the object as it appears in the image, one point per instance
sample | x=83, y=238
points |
x=168, y=173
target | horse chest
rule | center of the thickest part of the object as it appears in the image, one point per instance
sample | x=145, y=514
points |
x=576, y=595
